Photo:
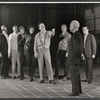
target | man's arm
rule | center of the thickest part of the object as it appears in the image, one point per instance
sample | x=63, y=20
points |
x=9, y=45
x=94, y=46
x=52, y=32
x=35, y=46
x=0, y=46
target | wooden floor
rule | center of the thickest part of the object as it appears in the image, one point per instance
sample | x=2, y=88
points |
x=16, y=88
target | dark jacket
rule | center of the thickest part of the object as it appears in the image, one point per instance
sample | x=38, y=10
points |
x=28, y=42
x=20, y=44
x=75, y=48
x=3, y=44
x=90, y=46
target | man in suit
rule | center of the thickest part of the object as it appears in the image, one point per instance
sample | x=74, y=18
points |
x=5, y=62
x=42, y=51
x=74, y=55
x=89, y=53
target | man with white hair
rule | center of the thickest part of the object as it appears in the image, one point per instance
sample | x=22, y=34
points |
x=5, y=62
x=74, y=55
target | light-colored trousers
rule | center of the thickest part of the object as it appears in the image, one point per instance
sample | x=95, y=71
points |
x=45, y=55
x=15, y=59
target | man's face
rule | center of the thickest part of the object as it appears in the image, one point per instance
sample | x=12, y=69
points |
x=22, y=30
x=42, y=27
x=15, y=29
x=31, y=30
x=5, y=30
x=85, y=30
x=71, y=27
x=63, y=28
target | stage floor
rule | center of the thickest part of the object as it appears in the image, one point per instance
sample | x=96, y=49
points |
x=16, y=88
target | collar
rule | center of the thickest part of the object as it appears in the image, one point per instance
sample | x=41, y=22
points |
x=75, y=30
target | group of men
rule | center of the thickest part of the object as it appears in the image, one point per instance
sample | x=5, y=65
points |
x=71, y=49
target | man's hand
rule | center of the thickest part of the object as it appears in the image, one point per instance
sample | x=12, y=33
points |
x=66, y=55
x=93, y=56
x=53, y=30
x=36, y=55
x=83, y=57
x=0, y=55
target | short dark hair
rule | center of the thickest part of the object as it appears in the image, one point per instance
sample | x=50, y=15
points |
x=14, y=26
x=30, y=27
x=64, y=25
x=39, y=24
x=21, y=27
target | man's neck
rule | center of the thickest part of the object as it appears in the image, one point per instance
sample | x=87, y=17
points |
x=75, y=30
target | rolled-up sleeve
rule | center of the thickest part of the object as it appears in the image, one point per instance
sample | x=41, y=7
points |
x=9, y=43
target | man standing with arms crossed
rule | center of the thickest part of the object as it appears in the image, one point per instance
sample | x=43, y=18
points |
x=42, y=51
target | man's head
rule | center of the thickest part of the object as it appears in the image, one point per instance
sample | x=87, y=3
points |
x=4, y=29
x=85, y=30
x=63, y=27
x=41, y=26
x=15, y=28
x=74, y=25
x=22, y=29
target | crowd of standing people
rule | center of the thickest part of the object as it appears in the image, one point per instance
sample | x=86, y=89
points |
x=20, y=45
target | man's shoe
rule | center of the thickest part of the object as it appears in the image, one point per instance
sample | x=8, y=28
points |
x=18, y=76
x=52, y=82
x=84, y=80
x=14, y=77
x=8, y=76
x=41, y=81
x=31, y=79
x=64, y=78
x=89, y=82
x=21, y=78
x=71, y=94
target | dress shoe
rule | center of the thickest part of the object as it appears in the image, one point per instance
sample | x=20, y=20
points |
x=14, y=77
x=41, y=81
x=3, y=77
x=18, y=76
x=64, y=78
x=71, y=94
x=89, y=82
x=21, y=78
x=8, y=76
x=84, y=80
x=52, y=82
x=31, y=79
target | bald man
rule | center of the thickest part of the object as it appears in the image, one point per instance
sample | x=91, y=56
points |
x=74, y=55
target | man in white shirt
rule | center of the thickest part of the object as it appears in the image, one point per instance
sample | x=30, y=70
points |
x=13, y=51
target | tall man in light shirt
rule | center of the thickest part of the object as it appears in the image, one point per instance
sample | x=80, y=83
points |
x=42, y=51
x=89, y=53
x=13, y=51
x=5, y=62
x=62, y=52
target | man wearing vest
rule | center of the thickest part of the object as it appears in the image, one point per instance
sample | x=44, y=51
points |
x=13, y=51
x=42, y=51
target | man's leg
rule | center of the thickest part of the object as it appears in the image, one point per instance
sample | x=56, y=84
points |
x=90, y=72
x=74, y=75
x=40, y=63
x=48, y=64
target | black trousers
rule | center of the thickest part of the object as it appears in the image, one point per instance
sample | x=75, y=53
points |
x=61, y=57
x=88, y=69
x=75, y=79
x=21, y=59
x=31, y=63
x=5, y=63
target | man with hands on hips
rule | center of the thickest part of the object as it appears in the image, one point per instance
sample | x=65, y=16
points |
x=42, y=51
